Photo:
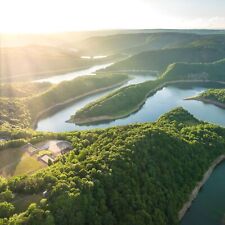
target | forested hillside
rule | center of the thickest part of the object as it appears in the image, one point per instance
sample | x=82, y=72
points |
x=213, y=96
x=133, y=43
x=22, y=103
x=158, y=60
x=137, y=174
x=129, y=99
x=195, y=71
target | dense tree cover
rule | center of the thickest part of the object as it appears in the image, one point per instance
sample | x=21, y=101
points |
x=158, y=60
x=21, y=112
x=136, y=174
x=117, y=104
x=217, y=95
x=68, y=90
x=14, y=112
x=195, y=71
x=129, y=99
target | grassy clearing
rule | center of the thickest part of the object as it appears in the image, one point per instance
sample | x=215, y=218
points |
x=15, y=161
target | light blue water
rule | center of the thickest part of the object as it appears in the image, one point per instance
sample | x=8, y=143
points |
x=161, y=102
x=209, y=206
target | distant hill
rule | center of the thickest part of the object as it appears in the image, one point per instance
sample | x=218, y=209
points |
x=127, y=100
x=70, y=39
x=135, y=42
x=195, y=71
x=158, y=60
x=32, y=61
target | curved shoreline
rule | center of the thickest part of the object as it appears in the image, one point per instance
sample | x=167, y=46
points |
x=58, y=106
x=207, y=101
x=93, y=120
x=199, y=185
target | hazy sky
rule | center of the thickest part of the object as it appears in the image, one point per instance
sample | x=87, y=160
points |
x=63, y=15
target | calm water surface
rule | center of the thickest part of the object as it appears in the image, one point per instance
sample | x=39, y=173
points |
x=161, y=102
x=209, y=206
x=49, y=124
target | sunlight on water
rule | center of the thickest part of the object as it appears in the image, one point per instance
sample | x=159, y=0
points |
x=72, y=75
x=161, y=102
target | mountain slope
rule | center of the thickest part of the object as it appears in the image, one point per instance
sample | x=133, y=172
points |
x=138, y=174
x=125, y=101
x=158, y=60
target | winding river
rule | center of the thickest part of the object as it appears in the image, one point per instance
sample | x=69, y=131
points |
x=161, y=102
x=209, y=206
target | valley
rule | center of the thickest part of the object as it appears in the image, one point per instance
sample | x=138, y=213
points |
x=122, y=139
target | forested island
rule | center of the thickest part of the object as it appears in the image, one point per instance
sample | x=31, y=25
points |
x=129, y=99
x=212, y=96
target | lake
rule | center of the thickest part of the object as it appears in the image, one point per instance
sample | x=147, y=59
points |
x=209, y=206
x=161, y=102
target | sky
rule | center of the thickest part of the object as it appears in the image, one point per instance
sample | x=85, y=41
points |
x=37, y=16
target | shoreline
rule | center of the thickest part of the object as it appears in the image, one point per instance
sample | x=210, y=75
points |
x=58, y=106
x=207, y=101
x=199, y=185
x=98, y=119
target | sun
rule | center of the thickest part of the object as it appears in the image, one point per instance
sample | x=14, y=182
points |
x=37, y=16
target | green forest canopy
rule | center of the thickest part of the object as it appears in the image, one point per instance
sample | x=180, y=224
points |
x=136, y=174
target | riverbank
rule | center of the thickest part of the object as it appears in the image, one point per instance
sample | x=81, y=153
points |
x=207, y=101
x=199, y=185
x=106, y=118
x=59, y=106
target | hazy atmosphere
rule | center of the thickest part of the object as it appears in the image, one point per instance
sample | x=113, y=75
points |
x=70, y=15
x=112, y=112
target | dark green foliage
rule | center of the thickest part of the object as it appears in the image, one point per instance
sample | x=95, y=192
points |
x=129, y=99
x=6, y=209
x=20, y=113
x=217, y=95
x=14, y=112
x=195, y=71
x=137, y=174
x=118, y=103
x=72, y=89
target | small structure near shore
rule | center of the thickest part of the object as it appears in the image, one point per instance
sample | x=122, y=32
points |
x=57, y=147
x=46, y=158
x=49, y=150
